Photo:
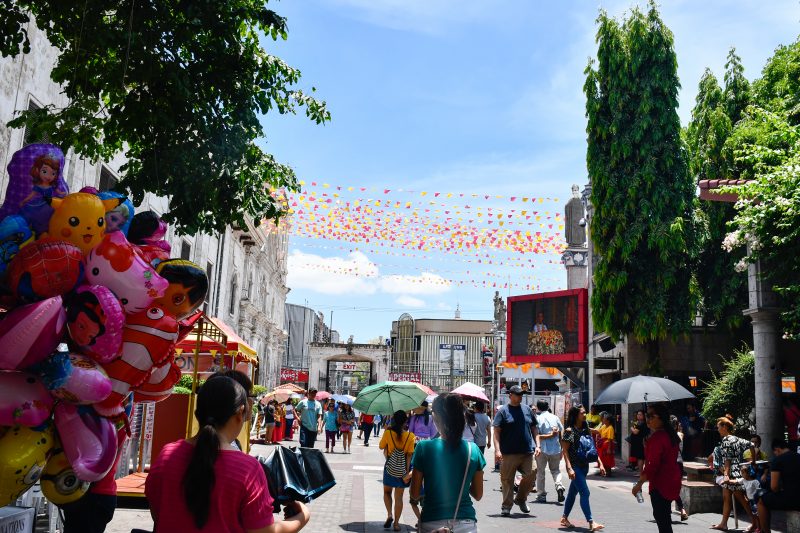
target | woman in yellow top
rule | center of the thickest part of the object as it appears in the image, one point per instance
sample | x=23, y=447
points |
x=605, y=441
x=280, y=414
x=398, y=447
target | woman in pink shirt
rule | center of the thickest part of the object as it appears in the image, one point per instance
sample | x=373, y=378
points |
x=206, y=484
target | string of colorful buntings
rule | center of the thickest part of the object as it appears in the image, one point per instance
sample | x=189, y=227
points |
x=429, y=280
x=313, y=184
x=506, y=260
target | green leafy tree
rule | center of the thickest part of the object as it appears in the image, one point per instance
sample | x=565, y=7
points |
x=732, y=392
x=177, y=87
x=643, y=225
x=723, y=290
x=766, y=148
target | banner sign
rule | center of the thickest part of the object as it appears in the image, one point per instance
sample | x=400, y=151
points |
x=458, y=353
x=488, y=360
x=415, y=377
x=294, y=375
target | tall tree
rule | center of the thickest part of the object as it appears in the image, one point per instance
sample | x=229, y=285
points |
x=643, y=228
x=179, y=88
x=723, y=290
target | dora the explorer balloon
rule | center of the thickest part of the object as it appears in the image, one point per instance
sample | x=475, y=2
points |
x=80, y=218
x=188, y=286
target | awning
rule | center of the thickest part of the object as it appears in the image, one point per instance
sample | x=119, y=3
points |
x=709, y=190
x=217, y=337
x=236, y=343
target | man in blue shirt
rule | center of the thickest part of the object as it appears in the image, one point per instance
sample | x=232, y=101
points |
x=549, y=443
x=515, y=435
x=310, y=413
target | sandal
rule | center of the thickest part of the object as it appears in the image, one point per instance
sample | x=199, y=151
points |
x=388, y=523
x=396, y=527
x=718, y=527
x=566, y=523
x=594, y=526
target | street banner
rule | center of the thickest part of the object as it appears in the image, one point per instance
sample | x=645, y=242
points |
x=293, y=375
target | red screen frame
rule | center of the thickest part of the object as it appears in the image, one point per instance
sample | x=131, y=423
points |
x=583, y=328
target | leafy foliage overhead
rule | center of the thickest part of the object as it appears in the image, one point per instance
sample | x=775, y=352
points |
x=643, y=226
x=177, y=86
x=766, y=149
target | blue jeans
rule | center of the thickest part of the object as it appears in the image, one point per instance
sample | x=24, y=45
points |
x=578, y=485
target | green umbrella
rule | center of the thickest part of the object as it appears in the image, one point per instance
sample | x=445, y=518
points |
x=388, y=397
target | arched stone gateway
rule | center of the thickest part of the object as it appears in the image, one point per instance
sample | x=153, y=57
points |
x=344, y=368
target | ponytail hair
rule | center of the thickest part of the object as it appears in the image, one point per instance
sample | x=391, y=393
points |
x=448, y=415
x=398, y=421
x=217, y=401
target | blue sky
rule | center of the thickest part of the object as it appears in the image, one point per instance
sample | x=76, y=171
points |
x=474, y=97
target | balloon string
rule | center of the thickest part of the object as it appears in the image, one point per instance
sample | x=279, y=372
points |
x=128, y=49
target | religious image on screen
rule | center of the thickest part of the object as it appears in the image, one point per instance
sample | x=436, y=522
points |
x=544, y=326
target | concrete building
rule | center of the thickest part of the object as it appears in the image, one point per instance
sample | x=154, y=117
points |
x=304, y=327
x=246, y=266
x=442, y=353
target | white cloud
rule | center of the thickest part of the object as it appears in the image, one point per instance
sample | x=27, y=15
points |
x=425, y=283
x=332, y=275
x=356, y=274
x=410, y=301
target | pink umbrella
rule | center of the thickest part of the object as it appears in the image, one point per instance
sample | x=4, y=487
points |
x=472, y=391
x=428, y=390
x=323, y=395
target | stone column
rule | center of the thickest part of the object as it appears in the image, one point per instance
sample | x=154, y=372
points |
x=763, y=312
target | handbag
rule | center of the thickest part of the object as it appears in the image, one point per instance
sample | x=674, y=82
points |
x=396, y=462
x=451, y=527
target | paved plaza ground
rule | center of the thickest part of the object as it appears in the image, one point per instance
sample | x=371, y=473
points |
x=356, y=503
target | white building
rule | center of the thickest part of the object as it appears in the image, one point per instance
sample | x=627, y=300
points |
x=246, y=266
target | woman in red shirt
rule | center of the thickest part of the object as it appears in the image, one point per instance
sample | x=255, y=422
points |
x=206, y=484
x=661, y=468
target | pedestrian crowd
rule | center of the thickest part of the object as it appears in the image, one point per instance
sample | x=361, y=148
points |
x=436, y=453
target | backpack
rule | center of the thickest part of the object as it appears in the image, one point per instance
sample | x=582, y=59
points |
x=586, y=449
x=396, y=462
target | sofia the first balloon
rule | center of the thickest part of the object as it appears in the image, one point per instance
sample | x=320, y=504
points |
x=95, y=320
x=116, y=265
x=30, y=333
x=36, y=176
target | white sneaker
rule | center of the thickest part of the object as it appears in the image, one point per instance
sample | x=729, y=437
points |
x=505, y=512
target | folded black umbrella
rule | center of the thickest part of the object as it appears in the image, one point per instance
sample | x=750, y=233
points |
x=296, y=474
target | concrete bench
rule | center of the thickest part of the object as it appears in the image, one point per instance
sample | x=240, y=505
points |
x=696, y=471
x=792, y=520
x=701, y=497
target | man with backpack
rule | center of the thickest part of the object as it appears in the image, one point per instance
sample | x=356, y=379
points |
x=515, y=432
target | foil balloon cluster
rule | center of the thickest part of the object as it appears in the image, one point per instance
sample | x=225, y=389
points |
x=90, y=321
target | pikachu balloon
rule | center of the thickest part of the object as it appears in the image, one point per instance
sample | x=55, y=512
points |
x=80, y=218
x=23, y=454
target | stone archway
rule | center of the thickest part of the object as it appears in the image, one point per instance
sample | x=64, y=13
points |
x=325, y=358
